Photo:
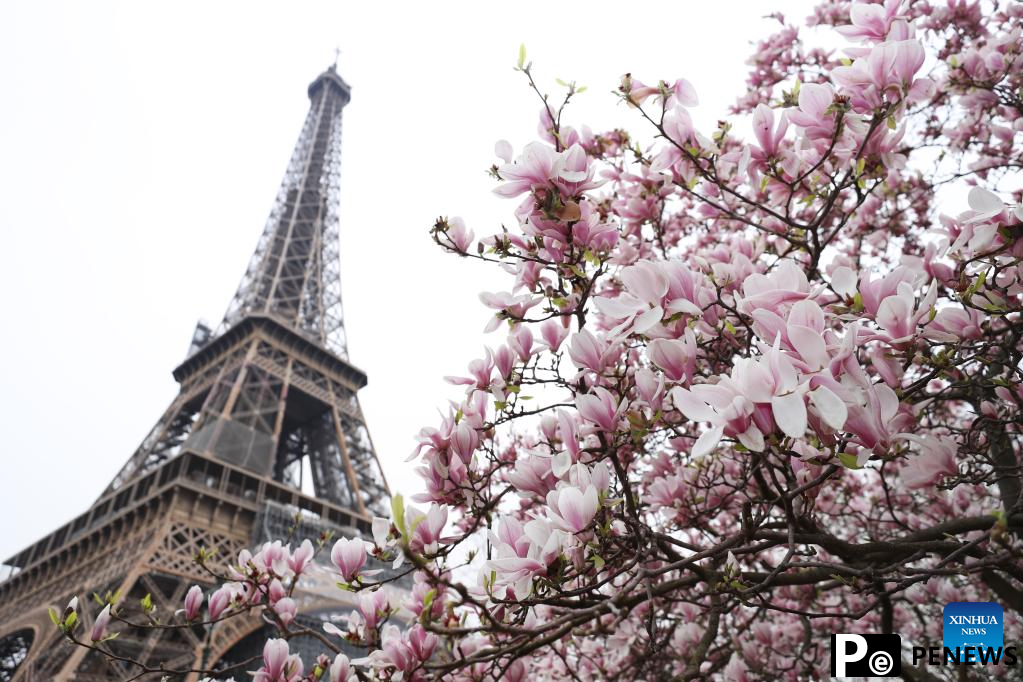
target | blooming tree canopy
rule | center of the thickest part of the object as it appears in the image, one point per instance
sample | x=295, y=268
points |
x=754, y=389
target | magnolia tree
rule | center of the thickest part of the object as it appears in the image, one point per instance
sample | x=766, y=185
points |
x=755, y=389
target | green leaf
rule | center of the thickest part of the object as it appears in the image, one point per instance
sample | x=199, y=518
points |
x=398, y=513
x=428, y=601
x=147, y=602
x=598, y=561
x=848, y=461
x=891, y=123
x=522, y=55
x=54, y=617
x=71, y=621
x=977, y=284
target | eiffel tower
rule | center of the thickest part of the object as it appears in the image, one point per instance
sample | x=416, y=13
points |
x=266, y=431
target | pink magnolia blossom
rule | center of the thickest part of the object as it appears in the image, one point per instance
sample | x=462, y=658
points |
x=349, y=555
x=952, y=324
x=767, y=135
x=99, y=626
x=814, y=114
x=639, y=308
x=523, y=551
x=457, y=236
x=886, y=72
x=600, y=408
x=341, y=669
x=899, y=315
x=785, y=284
x=193, y=602
x=533, y=474
x=426, y=528
x=675, y=357
x=937, y=459
x=572, y=509
x=554, y=334
x=870, y=418
x=286, y=609
x=588, y=352
x=533, y=170
x=279, y=664
x=219, y=601
x=869, y=21
x=301, y=557
x=276, y=591
x=373, y=607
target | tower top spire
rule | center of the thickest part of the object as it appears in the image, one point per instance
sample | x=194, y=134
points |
x=294, y=274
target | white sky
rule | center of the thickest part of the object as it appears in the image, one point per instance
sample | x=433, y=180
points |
x=141, y=147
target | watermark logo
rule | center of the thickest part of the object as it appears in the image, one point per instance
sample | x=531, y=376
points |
x=866, y=655
x=971, y=627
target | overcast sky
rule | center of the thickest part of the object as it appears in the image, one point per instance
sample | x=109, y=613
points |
x=141, y=148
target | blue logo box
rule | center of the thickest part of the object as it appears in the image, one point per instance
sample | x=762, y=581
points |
x=976, y=624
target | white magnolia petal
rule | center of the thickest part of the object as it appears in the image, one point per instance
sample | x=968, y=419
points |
x=810, y=346
x=790, y=413
x=843, y=281
x=561, y=463
x=830, y=407
x=707, y=441
x=691, y=406
x=985, y=202
x=618, y=308
x=752, y=439
x=648, y=320
x=503, y=150
x=889, y=401
x=332, y=629
x=684, y=305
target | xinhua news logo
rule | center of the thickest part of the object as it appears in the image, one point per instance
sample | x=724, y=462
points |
x=866, y=655
x=972, y=627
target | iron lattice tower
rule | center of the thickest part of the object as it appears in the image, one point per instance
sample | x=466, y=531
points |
x=266, y=424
